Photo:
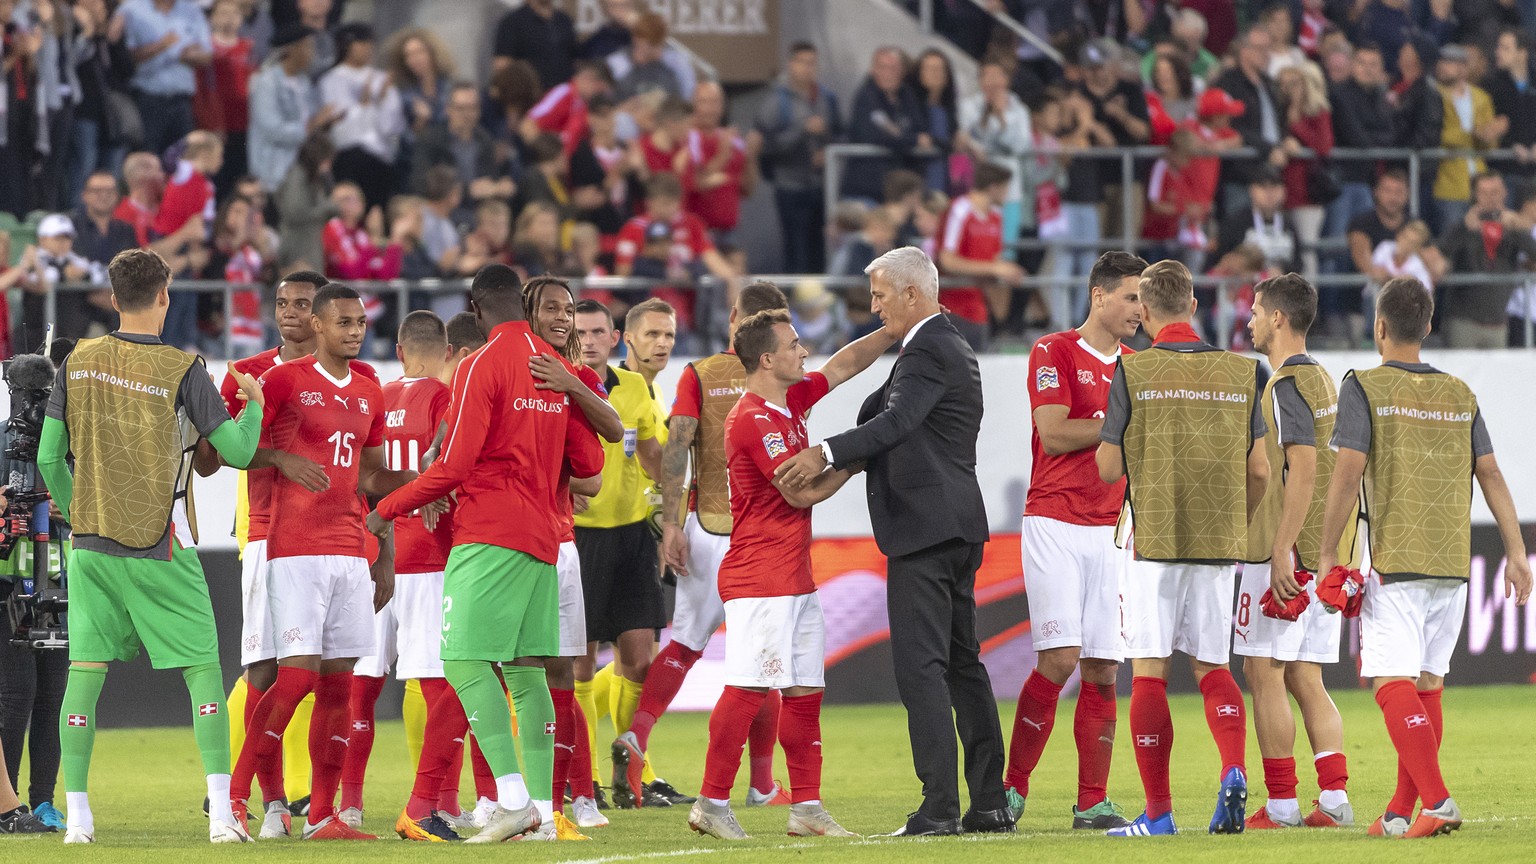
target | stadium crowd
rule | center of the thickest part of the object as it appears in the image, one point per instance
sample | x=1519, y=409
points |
x=241, y=138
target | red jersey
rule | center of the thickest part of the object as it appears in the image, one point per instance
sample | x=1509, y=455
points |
x=1179, y=187
x=567, y=511
x=720, y=207
x=976, y=235
x=187, y=194
x=690, y=240
x=258, y=481
x=770, y=552
x=413, y=409
x=1065, y=370
x=329, y=422
x=140, y=217
x=657, y=160
x=230, y=80
x=507, y=441
x=562, y=112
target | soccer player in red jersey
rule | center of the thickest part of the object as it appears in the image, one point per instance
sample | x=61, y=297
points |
x=1072, y=569
x=508, y=439
x=775, y=637
x=328, y=408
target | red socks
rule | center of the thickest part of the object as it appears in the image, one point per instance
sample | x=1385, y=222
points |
x=760, y=738
x=1332, y=772
x=1093, y=726
x=1280, y=778
x=800, y=736
x=365, y=695
x=1225, y=715
x=581, y=757
x=729, y=723
x=448, y=791
x=252, y=699
x=1033, y=719
x=447, y=727
x=328, y=742
x=262, y=753
x=485, y=780
x=661, y=685
x=565, y=742
x=1152, y=727
x=1415, y=725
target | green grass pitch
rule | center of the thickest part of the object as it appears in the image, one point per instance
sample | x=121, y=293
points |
x=146, y=791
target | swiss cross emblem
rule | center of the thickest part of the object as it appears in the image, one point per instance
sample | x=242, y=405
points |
x=77, y=720
x=362, y=404
x=1227, y=710
x=549, y=728
x=208, y=709
x=360, y=725
x=1416, y=721
x=1147, y=740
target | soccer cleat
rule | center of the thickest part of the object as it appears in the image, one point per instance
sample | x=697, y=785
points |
x=1015, y=803
x=628, y=765
x=23, y=821
x=1231, y=803
x=1261, y=820
x=241, y=811
x=227, y=832
x=300, y=806
x=623, y=799
x=668, y=791
x=600, y=796
x=1388, y=825
x=461, y=822
x=505, y=824
x=715, y=820
x=1100, y=817
x=1342, y=816
x=483, y=810
x=278, y=821
x=776, y=797
x=565, y=829
x=353, y=816
x=652, y=798
x=586, y=813
x=1441, y=820
x=428, y=829
x=49, y=815
x=813, y=820
x=331, y=828
x=80, y=835
x=1141, y=826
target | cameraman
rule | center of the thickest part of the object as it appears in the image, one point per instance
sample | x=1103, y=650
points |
x=14, y=816
x=1491, y=239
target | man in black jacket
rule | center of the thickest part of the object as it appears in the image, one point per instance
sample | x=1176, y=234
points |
x=1262, y=125
x=1513, y=96
x=886, y=112
x=1361, y=118
x=917, y=435
x=1493, y=240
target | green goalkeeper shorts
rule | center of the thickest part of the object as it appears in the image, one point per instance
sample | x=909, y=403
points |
x=499, y=604
x=117, y=604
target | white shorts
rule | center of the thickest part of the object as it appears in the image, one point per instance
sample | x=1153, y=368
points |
x=1178, y=607
x=255, y=618
x=699, y=612
x=321, y=605
x=573, y=604
x=1410, y=626
x=1313, y=638
x=408, y=631
x=775, y=642
x=1072, y=580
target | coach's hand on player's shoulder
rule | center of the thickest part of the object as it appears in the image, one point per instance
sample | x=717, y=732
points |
x=1517, y=579
x=674, y=547
x=1282, y=579
x=552, y=374
x=801, y=468
x=250, y=388
x=305, y=472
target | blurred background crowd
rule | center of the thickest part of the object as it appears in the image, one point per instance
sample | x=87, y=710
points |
x=246, y=138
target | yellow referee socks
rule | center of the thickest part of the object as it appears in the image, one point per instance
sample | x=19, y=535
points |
x=414, y=712
x=588, y=704
x=296, y=765
x=236, y=707
x=628, y=699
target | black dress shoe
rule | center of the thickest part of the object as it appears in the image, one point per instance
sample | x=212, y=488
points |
x=919, y=825
x=998, y=821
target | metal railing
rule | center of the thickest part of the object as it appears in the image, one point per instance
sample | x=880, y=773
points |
x=925, y=21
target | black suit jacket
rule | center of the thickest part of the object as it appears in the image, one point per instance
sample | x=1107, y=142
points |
x=918, y=435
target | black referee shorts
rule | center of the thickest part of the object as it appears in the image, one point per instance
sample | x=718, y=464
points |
x=619, y=580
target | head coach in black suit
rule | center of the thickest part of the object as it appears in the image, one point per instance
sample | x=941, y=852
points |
x=917, y=434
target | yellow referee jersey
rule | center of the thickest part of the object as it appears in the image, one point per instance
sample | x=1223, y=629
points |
x=622, y=500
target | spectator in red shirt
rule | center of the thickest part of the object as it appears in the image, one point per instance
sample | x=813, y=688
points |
x=222, y=103
x=693, y=253
x=236, y=258
x=1179, y=203
x=190, y=193
x=970, y=243
x=563, y=110
x=717, y=164
x=1309, y=125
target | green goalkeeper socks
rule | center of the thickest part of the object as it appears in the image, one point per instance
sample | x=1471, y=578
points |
x=77, y=723
x=489, y=717
x=535, y=725
x=210, y=716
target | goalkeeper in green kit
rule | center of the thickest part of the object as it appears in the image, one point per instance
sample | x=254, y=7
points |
x=131, y=410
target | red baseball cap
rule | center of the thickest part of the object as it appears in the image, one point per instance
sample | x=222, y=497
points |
x=1216, y=102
